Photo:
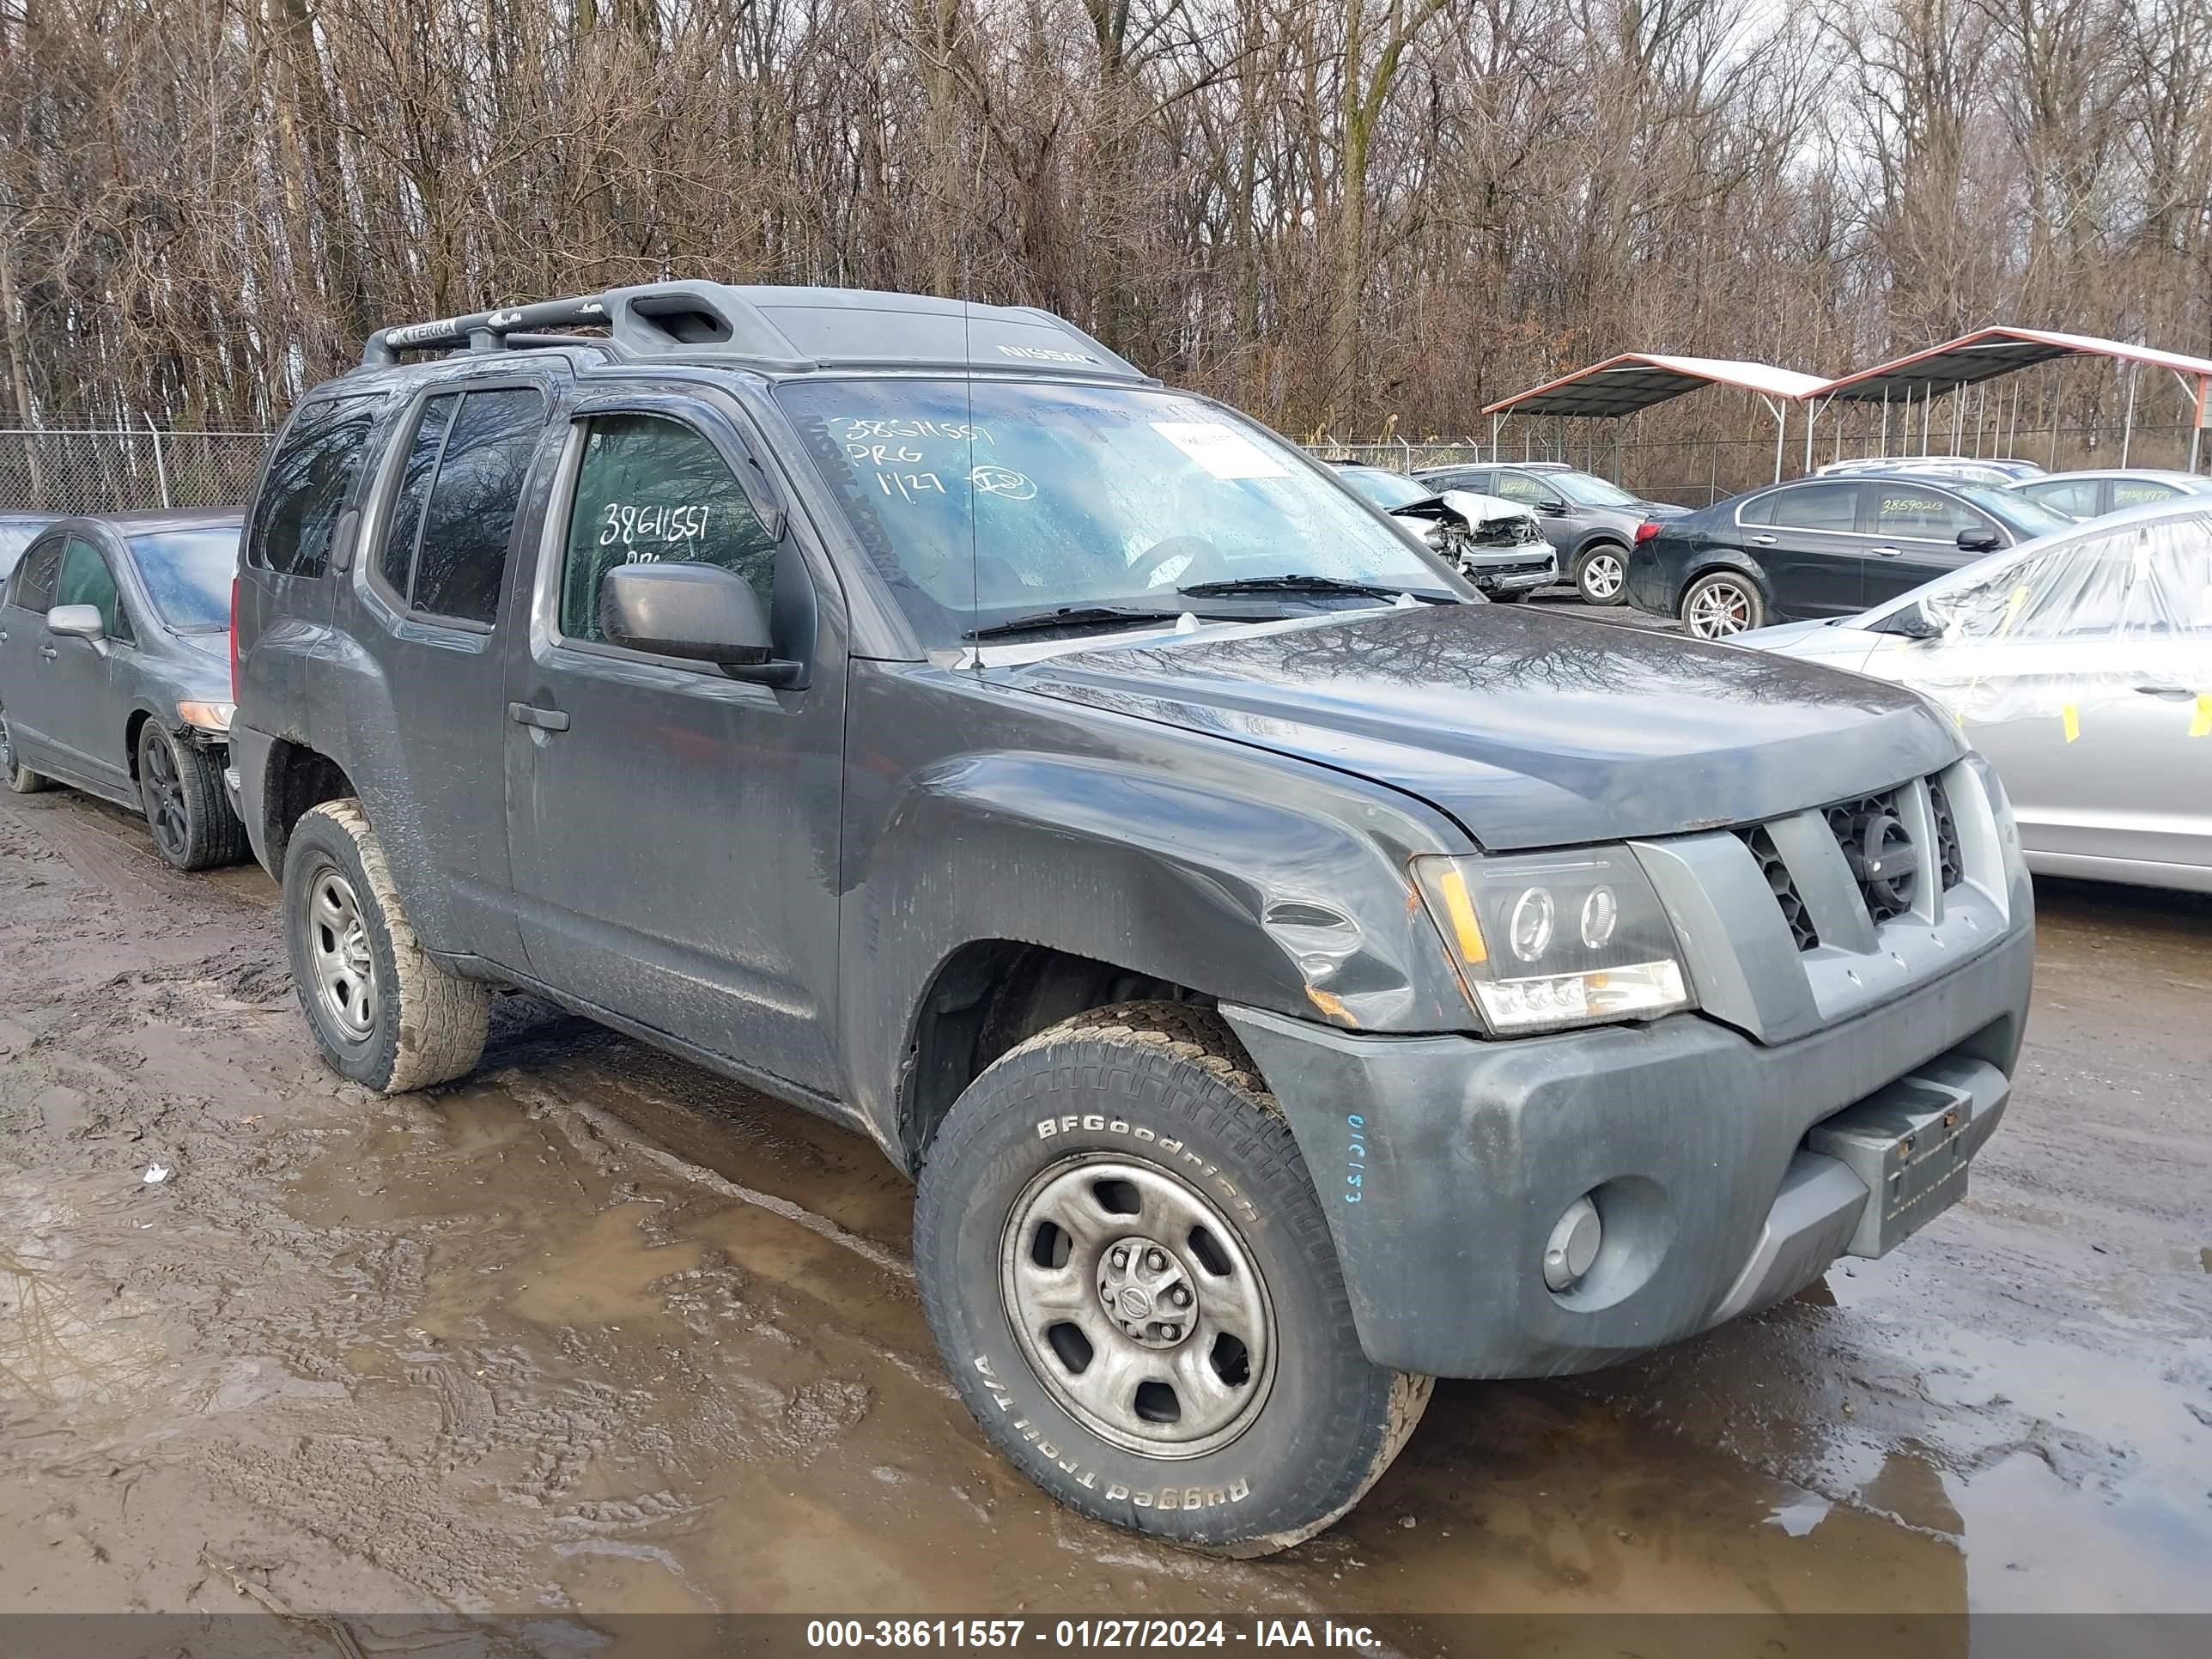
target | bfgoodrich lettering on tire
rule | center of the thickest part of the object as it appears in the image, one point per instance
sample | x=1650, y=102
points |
x=1125, y=1266
x=385, y=1014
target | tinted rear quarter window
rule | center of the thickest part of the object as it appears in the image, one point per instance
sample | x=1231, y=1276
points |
x=307, y=484
x=405, y=531
x=469, y=517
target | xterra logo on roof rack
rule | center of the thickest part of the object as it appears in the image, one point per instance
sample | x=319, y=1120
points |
x=1047, y=354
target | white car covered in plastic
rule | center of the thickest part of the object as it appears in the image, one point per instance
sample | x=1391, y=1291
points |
x=2080, y=664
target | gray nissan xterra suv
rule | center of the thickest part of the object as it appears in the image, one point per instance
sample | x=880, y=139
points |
x=1289, y=978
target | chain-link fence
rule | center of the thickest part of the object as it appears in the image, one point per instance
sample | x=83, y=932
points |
x=118, y=470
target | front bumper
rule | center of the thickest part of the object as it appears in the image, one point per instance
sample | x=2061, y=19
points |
x=1512, y=570
x=1718, y=1191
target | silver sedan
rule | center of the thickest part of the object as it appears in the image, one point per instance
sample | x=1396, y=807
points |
x=2080, y=664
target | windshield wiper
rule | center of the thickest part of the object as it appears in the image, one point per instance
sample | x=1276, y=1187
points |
x=1301, y=584
x=1069, y=616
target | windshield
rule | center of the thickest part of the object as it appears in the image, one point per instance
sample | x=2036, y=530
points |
x=1388, y=490
x=187, y=573
x=983, y=502
x=1590, y=489
x=2016, y=512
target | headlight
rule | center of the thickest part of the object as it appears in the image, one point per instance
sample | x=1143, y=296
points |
x=1547, y=940
x=208, y=716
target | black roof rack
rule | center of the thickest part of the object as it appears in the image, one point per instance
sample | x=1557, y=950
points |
x=788, y=331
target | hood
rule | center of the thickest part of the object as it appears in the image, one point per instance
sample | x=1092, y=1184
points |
x=1478, y=508
x=1531, y=731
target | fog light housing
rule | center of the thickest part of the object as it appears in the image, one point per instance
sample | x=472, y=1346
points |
x=1576, y=1237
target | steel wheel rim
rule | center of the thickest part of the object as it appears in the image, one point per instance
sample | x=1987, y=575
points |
x=1719, y=611
x=1174, y=1328
x=1602, y=575
x=341, y=958
x=164, y=796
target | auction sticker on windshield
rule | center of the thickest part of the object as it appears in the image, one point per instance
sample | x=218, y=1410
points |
x=1222, y=450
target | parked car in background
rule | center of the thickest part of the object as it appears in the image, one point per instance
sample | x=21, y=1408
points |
x=2094, y=492
x=114, y=672
x=1822, y=547
x=1288, y=977
x=1497, y=545
x=1958, y=469
x=2080, y=664
x=1591, y=522
x=17, y=531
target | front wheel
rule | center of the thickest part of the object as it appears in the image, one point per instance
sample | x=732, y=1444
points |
x=1713, y=607
x=1130, y=1277
x=181, y=794
x=1601, y=577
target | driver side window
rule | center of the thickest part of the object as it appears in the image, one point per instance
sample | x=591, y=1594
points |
x=86, y=580
x=648, y=489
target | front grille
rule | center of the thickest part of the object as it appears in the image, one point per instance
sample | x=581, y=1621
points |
x=1947, y=836
x=1881, y=856
x=1780, y=883
x=1887, y=865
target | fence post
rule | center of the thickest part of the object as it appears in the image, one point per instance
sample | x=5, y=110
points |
x=161, y=464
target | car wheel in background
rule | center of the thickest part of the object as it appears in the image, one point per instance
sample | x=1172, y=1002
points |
x=1130, y=1278
x=1713, y=607
x=19, y=778
x=385, y=1014
x=181, y=794
x=1601, y=575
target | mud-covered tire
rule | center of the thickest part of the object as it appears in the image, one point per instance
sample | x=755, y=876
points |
x=424, y=1025
x=1167, y=1089
x=19, y=779
x=180, y=793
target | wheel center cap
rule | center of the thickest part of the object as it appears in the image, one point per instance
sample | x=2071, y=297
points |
x=1147, y=1292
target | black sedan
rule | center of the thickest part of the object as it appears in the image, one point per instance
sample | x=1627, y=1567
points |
x=1821, y=547
x=115, y=673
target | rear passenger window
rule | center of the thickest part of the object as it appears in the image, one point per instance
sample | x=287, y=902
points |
x=470, y=516
x=405, y=531
x=306, y=486
x=651, y=490
x=1832, y=506
x=2140, y=492
x=32, y=588
x=2076, y=496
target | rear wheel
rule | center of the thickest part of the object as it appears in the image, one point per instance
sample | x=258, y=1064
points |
x=1713, y=607
x=1131, y=1280
x=383, y=1012
x=1601, y=575
x=19, y=778
x=185, y=808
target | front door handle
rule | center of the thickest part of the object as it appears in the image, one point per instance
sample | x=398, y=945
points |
x=48, y=653
x=545, y=720
x=2179, y=693
x=1888, y=553
x=1764, y=541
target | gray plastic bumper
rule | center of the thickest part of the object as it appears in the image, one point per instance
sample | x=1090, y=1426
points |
x=1444, y=1162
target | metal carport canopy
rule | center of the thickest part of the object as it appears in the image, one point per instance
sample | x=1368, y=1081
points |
x=1637, y=380
x=1989, y=352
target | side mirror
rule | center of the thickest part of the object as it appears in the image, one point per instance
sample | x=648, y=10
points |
x=700, y=612
x=1553, y=505
x=76, y=622
x=1979, y=541
x=1912, y=623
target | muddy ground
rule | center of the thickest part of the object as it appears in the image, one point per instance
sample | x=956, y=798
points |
x=596, y=1332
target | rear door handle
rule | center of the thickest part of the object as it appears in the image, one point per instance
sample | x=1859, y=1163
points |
x=545, y=720
x=2179, y=693
x=1764, y=541
x=48, y=653
x=1889, y=553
